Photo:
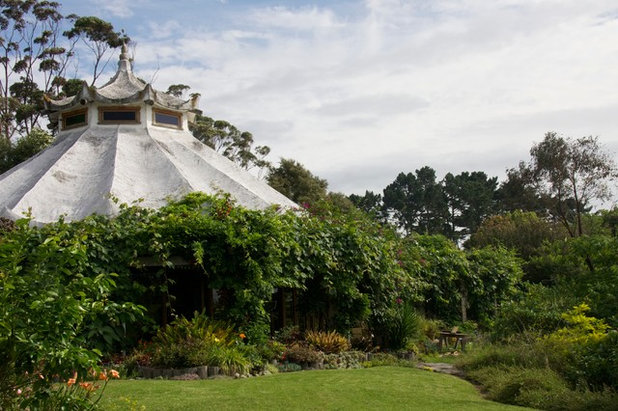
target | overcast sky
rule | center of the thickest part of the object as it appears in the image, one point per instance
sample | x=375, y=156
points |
x=359, y=91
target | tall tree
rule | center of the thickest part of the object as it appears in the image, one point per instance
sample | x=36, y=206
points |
x=515, y=193
x=569, y=174
x=33, y=60
x=226, y=139
x=470, y=198
x=417, y=202
x=370, y=202
x=98, y=36
x=297, y=183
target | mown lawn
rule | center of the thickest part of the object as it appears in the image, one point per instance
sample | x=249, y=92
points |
x=384, y=388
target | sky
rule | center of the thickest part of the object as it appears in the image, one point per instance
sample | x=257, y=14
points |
x=359, y=91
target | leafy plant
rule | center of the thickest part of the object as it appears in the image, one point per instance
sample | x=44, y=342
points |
x=404, y=326
x=48, y=297
x=328, y=342
x=199, y=341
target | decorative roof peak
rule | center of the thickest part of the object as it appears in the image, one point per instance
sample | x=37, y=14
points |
x=123, y=88
x=124, y=64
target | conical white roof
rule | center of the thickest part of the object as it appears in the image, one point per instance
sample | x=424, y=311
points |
x=89, y=165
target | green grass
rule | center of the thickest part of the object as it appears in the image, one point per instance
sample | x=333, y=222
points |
x=370, y=388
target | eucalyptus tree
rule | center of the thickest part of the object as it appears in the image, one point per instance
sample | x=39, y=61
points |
x=569, y=175
x=99, y=37
x=227, y=139
x=33, y=61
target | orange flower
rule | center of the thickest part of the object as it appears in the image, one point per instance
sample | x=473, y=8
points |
x=72, y=380
x=102, y=376
x=114, y=373
x=242, y=335
x=88, y=386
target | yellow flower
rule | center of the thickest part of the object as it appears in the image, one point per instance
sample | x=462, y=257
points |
x=216, y=339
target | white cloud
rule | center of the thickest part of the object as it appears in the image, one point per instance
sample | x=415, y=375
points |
x=359, y=95
x=118, y=8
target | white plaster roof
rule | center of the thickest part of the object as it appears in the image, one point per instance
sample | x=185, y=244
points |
x=123, y=88
x=85, y=167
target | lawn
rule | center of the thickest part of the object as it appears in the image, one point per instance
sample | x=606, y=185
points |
x=369, y=388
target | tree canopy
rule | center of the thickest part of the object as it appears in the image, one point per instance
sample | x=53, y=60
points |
x=297, y=183
x=568, y=175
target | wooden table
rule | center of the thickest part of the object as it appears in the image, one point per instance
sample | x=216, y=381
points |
x=446, y=336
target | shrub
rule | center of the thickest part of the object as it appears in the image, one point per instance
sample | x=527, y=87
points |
x=232, y=360
x=584, y=351
x=302, y=354
x=540, y=388
x=513, y=384
x=47, y=302
x=271, y=350
x=288, y=335
x=537, y=311
x=327, y=342
x=202, y=341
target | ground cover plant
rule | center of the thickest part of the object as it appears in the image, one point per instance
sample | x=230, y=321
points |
x=371, y=388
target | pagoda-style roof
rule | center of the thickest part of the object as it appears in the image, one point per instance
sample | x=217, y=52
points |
x=123, y=88
x=123, y=143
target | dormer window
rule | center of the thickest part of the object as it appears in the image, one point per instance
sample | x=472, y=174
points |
x=119, y=115
x=74, y=119
x=166, y=118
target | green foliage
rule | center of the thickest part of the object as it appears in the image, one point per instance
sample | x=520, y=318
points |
x=584, y=351
x=568, y=175
x=226, y=139
x=328, y=342
x=48, y=299
x=99, y=36
x=562, y=370
x=494, y=274
x=417, y=202
x=441, y=269
x=297, y=183
x=12, y=154
x=404, y=326
x=534, y=311
x=539, y=388
x=189, y=343
x=567, y=263
x=522, y=231
x=470, y=199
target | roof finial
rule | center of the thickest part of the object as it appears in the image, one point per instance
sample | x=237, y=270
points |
x=125, y=62
x=124, y=53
